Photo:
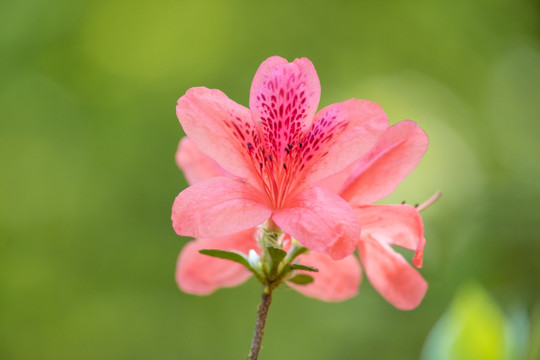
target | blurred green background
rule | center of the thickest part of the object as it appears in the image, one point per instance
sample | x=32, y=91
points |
x=87, y=141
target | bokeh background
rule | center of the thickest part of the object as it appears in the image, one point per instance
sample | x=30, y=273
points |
x=87, y=142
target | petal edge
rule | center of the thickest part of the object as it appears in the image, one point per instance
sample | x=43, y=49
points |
x=218, y=206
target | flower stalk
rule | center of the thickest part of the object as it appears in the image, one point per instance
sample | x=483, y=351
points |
x=262, y=313
x=276, y=268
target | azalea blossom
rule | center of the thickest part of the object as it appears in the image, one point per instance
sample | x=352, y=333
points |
x=369, y=179
x=201, y=274
x=272, y=156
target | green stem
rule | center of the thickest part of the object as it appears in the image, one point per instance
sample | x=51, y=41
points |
x=266, y=300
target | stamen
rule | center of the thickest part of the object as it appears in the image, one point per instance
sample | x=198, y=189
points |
x=429, y=201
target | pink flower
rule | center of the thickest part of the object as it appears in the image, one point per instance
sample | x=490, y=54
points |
x=201, y=274
x=367, y=180
x=274, y=154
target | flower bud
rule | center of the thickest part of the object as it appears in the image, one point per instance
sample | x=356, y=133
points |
x=254, y=259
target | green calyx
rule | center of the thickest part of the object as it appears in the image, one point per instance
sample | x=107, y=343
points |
x=275, y=265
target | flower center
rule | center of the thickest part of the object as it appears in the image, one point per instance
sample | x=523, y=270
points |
x=282, y=170
x=282, y=142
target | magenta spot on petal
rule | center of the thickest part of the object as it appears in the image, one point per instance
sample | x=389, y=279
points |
x=281, y=146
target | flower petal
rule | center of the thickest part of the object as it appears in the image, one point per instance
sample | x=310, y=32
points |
x=321, y=221
x=335, y=183
x=394, y=224
x=341, y=134
x=396, y=154
x=196, y=165
x=219, y=127
x=218, y=206
x=337, y=280
x=201, y=274
x=390, y=274
x=284, y=97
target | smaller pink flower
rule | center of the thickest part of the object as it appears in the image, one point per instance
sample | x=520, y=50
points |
x=371, y=179
x=367, y=180
x=275, y=152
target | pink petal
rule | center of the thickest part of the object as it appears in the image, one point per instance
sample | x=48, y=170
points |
x=390, y=274
x=321, y=221
x=219, y=127
x=394, y=224
x=341, y=134
x=196, y=165
x=218, y=206
x=336, y=182
x=337, y=280
x=396, y=154
x=201, y=274
x=284, y=97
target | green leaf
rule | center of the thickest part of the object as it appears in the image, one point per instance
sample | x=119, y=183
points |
x=301, y=279
x=303, y=267
x=227, y=255
x=236, y=257
x=276, y=254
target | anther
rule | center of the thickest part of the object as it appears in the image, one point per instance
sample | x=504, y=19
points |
x=284, y=166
